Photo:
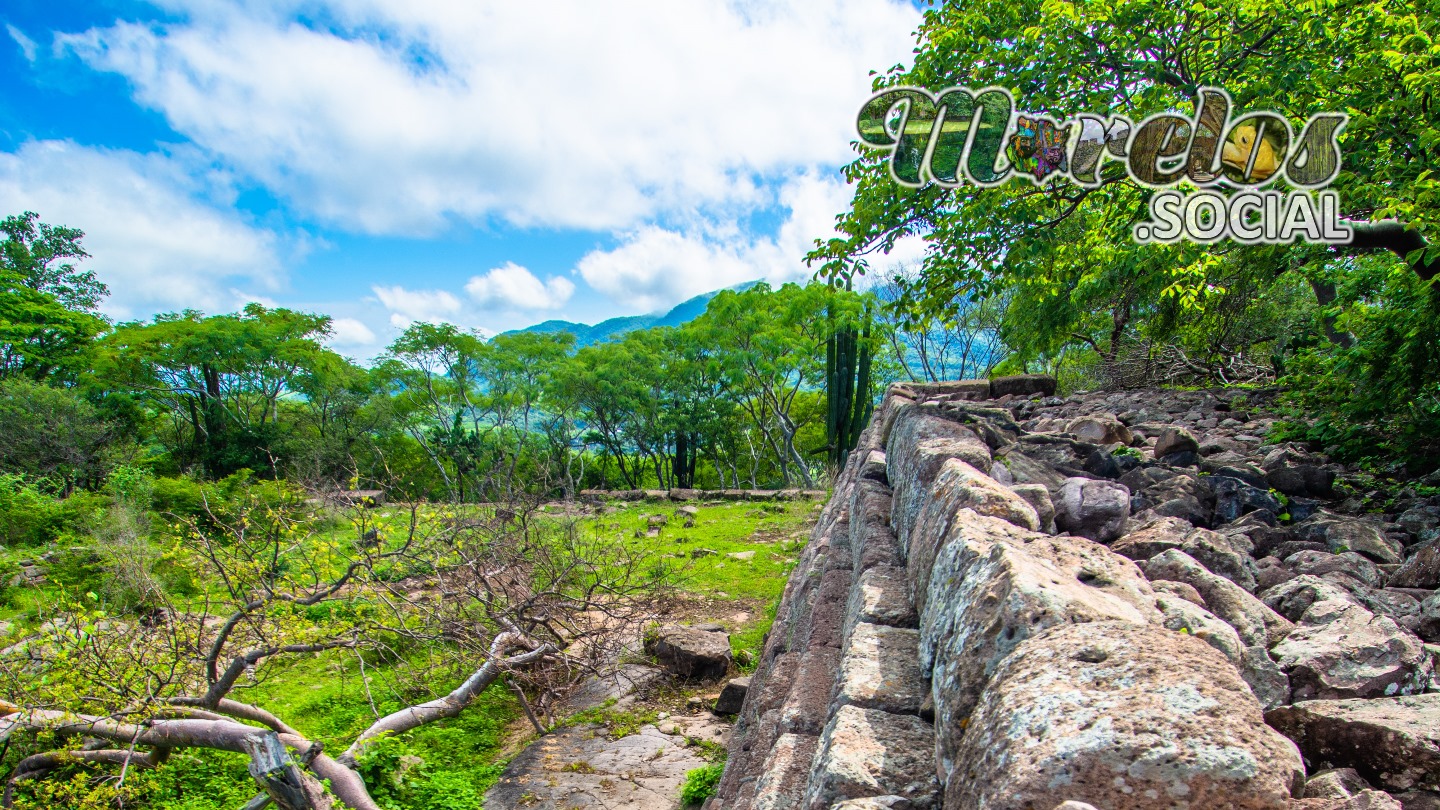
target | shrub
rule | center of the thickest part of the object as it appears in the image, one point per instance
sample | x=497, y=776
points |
x=700, y=784
x=28, y=517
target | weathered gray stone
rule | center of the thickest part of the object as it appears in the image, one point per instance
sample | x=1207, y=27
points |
x=1234, y=497
x=1093, y=509
x=1256, y=623
x=959, y=486
x=880, y=669
x=785, y=773
x=1184, y=616
x=1422, y=570
x=866, y=752
x=1152, y=538
x=873, y=468
x=921, y=441
x=1428, y=624
x=1269, y=683
x=1039, y=499
x=1099, y=430
x=1180, y=589
x=1302, y=479
x=1320, y=563
x=804, y=709
x=1295, y=596
x=1175, y=440
x=872, y=539
x=875, y=803
x=879, y=597
x=1349, y=534
x=1226, y=555
x=1014, y=467
x=1364, y=800
x=940, y=521
x=732, y=697
x=1393, y=743
x=1023, y=385
x=690, y=652
x=1420, y=521
x=1336, y=783
x=1341, y=650
x=993, y=586
x=1124, y=717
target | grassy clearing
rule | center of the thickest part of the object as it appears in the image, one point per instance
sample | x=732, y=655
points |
x=330, y=697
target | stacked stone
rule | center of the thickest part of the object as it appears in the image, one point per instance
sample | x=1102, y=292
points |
x=939, y=644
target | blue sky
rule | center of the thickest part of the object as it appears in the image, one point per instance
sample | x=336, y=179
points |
x=485, y=163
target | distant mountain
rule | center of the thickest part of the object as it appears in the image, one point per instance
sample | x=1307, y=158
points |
x=585, y=334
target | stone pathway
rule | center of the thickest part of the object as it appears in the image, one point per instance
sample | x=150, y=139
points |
x=581, y=767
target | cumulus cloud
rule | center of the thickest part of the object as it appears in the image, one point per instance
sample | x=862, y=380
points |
x=514, y=287
x=655, y=267
x=409, y=306
x=346, y=333
x=394, y=116
x=159, y=236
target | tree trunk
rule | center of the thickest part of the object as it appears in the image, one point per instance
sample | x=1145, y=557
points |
x=285, y=785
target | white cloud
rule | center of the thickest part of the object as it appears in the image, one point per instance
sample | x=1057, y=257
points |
x=515, y=287
x=404, y=115
x=351, y=333
x=27, y=45
x=408, y=306
x=153, y=224
x=657, y=267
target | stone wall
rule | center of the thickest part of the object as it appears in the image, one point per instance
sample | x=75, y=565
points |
x=1014, y=600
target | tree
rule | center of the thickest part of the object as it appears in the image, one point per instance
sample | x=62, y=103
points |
x=1062, y=257
x=220, y=379
x=770, y=344
x=47, y=306
x=35, y=254
x=52, y=434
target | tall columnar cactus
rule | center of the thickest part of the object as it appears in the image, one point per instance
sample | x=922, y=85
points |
x=847, y=384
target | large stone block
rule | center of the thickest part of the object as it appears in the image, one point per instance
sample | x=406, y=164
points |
x=1123, y=717
x=1039, y=499
x=993, y=586
x=880, y=669
x=922, y=440
x=804, y=709
x=786, y=771
x=689, y=651
x=1392, y=742
x=959, y=486
x=1341, y=650
x=872, y=539
x=865, y=752
x=1093, y=509
x=1293, y=597
x=1422, y=570
x=960, y=389
x=1340, y=534
x=1256, y=623
x=1023, y=385
x=880, y=597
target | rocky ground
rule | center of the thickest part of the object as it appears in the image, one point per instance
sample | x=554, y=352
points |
x=1317, y=583
x=636, y=731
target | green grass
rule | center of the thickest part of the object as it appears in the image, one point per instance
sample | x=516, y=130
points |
x=447, y=765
